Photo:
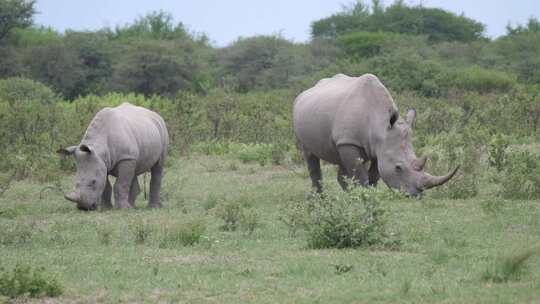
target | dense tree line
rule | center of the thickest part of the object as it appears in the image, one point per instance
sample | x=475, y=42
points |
x=414, y=48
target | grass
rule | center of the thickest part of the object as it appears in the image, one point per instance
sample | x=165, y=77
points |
x=446, y=252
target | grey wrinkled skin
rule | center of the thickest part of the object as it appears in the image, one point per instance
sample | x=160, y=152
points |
x=354, y=123
x=124, y=142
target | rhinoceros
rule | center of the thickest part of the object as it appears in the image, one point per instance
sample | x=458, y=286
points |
x=124, y=142
x=354, y=123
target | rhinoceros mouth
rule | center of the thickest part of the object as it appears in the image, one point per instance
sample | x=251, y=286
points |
x=89, y=207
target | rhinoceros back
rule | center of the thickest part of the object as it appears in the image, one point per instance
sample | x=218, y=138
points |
x=129, y=132
x=341, y=110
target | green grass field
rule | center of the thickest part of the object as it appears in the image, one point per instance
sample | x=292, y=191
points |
x=449, y=248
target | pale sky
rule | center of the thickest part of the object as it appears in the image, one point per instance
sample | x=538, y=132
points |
x=226, y=20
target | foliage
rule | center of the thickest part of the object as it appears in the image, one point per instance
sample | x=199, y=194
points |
x=449, y=150
x=28, y=126
x=521, y=176
x=483, y=81
x=15, y=14
x=25, y=280
x=497, y=151
x=365, y=44
x=231, y=214
x=156, y=67
x=183, y=234
x=437, y=24
x=346, y=219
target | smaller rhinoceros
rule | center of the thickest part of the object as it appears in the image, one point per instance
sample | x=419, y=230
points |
x=124, y=142
x=354, y=123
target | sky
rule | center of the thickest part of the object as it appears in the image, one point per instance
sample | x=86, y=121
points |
x=223, y=21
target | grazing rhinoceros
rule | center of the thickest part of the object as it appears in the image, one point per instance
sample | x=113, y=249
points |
x=354, y=123
x=124, y=142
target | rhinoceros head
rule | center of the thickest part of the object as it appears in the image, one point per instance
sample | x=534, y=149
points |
x=397, y=163
x=90, y=179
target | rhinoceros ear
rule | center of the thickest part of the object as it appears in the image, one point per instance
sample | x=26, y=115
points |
x=67, y=151
x=411, y=116
x=86, y=148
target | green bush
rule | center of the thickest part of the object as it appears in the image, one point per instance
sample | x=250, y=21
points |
x=340, y=219
x=29, y=120
x=183, y=234
x=521, y=176
x=497, y=151
x=231, y=214
x=448, y=150
x=365, y=44
x=483, y=81
x=24, y=280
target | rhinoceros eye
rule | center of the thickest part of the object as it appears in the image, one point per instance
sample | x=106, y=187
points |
x=399, y=168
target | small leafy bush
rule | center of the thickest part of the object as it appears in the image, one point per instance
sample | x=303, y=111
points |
x=346, y=219
x=521, y=176
x=24, y=280
x=449, y=150
x=183, y=234
x=141, y=231
x=484, y=81
x=249, y=221
x=497, y=151
x=231, y=214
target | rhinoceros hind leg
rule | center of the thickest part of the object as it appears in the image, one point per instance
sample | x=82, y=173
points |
x=155, y=186
x=314, y=168
x=106, y=197
x=126, y=172
x=373, y=173
x=134, y=190
x=353, y=164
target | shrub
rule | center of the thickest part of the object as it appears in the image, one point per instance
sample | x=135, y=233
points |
x=183, y=234
x=231, y=214
x=365, y=44
x=249, y=221
x=521, y=177
x=452, y=149
x=346, y=219
x=28, y=127
x=497, y=151
x=484, y=81
x=23, y=280
x=141, y=231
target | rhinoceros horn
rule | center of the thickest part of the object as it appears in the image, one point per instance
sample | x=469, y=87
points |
x=420, y=163
x=434, y=181
x=72, y=196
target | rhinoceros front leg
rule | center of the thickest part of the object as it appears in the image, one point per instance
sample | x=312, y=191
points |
x=373, y=173
x=134, y=191
x=126, y=172
x=314, y=168
x=154, y=200
x=107, y=195
x=352, y=166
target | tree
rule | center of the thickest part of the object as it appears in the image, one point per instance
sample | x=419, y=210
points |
x=263, y=62
x=15, y=14
x=437, y=24
x=155, y=67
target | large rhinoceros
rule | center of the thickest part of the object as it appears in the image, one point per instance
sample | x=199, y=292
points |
x=354, y=123
x=124, y=142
